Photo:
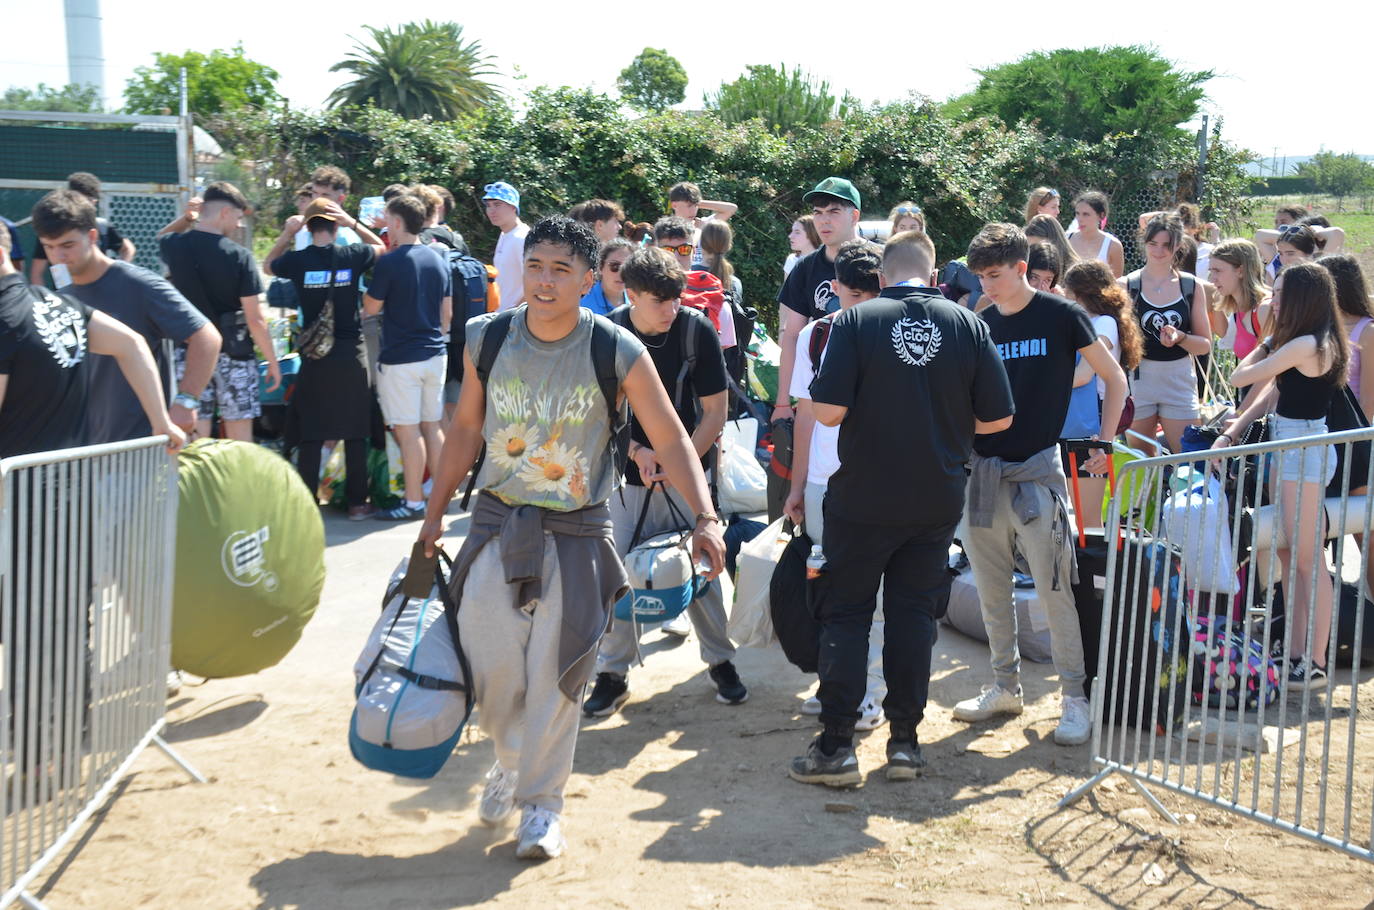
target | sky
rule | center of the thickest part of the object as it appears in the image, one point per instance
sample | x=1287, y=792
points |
x=1266, y=108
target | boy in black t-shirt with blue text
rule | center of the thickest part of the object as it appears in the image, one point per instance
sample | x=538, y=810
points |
x=1017, y=491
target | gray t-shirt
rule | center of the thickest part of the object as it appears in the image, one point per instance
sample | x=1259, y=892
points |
x=547, y=430
x=149, y=305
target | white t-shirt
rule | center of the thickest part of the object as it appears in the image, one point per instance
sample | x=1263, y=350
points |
x=345, y=236
x=510, y=264
x=787, y=264
x=1105, y=327
x=727, y=327
x=825, y=457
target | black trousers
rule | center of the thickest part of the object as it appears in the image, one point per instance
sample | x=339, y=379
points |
x=355, y=468
x=911, y=561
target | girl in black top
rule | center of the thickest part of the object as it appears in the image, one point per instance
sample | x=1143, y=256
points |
x=1171, y=310
x=1300, y=367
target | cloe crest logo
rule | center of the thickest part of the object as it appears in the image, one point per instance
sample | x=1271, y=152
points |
x=916, y=341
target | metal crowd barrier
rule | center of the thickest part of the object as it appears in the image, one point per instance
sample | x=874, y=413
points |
x=1204, y=584
x=87, y=551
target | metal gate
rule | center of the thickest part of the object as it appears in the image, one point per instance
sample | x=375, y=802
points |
x=145, y=165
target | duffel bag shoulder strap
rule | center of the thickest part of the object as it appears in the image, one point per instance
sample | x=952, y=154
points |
x=451, y=617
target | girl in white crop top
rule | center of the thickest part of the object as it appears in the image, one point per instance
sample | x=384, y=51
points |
x=1091, y=241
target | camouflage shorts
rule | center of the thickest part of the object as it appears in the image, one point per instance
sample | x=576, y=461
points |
x=232, y=390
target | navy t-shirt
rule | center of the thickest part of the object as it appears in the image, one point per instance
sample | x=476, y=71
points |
x=1037, y=346
x=412, y=281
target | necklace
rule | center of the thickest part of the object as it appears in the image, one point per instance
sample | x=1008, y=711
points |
x=1161, y=285
x=645, y=339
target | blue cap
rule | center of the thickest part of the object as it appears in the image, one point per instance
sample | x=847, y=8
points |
x=503, y=192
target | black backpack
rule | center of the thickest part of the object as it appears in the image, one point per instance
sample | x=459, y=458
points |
x=603, y=363
x=471, y=287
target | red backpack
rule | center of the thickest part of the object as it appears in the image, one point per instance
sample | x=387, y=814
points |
x=704, y=292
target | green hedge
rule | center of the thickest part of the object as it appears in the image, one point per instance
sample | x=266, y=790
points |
x=1282, y=186
x=569, y=145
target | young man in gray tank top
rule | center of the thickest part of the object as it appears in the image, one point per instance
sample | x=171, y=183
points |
x=533, y=605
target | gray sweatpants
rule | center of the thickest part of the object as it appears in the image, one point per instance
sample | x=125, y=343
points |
x=814, y=498
x=990, y=553
x=513, y=654
x=707, y=612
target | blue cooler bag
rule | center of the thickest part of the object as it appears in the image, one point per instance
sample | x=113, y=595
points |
x=412, y=683
x=663, y=581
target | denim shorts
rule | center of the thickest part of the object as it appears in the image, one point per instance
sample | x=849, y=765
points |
x=1311, y=464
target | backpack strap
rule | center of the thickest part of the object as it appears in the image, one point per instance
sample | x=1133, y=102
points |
x=1134, y=287
x=603, y=362
x=493, y=337
x=689, y=360
x=1187, y=286
x=820, y=337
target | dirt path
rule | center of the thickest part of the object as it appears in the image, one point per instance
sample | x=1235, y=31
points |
x=677, y=802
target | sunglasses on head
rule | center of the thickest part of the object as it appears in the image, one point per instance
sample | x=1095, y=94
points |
x=1289, y=229
x=908, y=210
x=682, y=249
x=1051, y=194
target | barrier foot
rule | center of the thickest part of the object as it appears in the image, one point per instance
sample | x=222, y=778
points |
x=185, y=765
x=33, y=903
x=1084, y=788
x=1154, y=802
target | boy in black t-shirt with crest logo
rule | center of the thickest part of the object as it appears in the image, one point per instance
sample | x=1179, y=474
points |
x=1017, y=493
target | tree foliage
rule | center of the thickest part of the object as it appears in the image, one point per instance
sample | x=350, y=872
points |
x=216, y=83
x=1088, y=94
x=70, y=99
x=1340, y=175
x=654, y=81
x=422, y=69
x=568, y=145
x=783, y=101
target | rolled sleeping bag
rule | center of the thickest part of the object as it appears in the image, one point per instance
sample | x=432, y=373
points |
x=250, y=559
x=1337, y=524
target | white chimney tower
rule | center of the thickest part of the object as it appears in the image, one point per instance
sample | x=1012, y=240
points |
x=85, y=53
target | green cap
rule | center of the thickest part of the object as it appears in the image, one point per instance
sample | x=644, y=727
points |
x=838, y=187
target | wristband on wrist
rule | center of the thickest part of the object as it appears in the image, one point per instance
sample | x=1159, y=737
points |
x=189, y=402
x=707, y=517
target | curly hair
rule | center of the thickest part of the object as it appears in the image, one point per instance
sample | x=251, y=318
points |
x=1094, y=288
x=564, y=231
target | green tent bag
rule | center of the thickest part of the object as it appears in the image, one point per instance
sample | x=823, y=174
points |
x=250, y=559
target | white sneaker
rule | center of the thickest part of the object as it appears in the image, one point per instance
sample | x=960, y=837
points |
x=811, y=706
x=173, y=683
x=873, y=716
x=1076, y=723
x=540, y=835
x=498, y=797
x=992, y=701
x=679, y=625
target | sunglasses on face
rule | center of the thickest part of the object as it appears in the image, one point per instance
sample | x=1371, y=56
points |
x=908, y=210
x=682, y=249
x=614, y=266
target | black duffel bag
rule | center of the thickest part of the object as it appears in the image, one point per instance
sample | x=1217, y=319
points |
x=790, y=604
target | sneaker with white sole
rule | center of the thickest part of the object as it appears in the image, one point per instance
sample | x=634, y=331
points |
x=1076, y=723
x=679, y=626
x=815, y=767
x=540, y=835
x=872, y=716
x=992, y=701
x=498, y=797
x=904, y=760
x=1304, y=676
x=811, y=707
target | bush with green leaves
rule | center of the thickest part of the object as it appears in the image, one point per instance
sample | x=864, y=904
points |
x=569, y=145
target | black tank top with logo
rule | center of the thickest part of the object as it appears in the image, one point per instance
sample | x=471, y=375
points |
x=1153, y=318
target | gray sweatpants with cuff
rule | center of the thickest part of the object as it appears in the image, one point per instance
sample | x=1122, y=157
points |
x=707, y=612
x=1050, y=557
x=513, y=654
x=813, y=500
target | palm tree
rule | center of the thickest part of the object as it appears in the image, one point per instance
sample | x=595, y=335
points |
x=420, y=69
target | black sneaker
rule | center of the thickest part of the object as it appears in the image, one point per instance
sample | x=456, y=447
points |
x=815, y=767
x=904, y=760
x=609, y=692
x=729, y=690
x=1305, y=677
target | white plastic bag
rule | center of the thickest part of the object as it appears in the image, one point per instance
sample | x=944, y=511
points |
x=751, y=622
x=1195, y=520
x=742, y=482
